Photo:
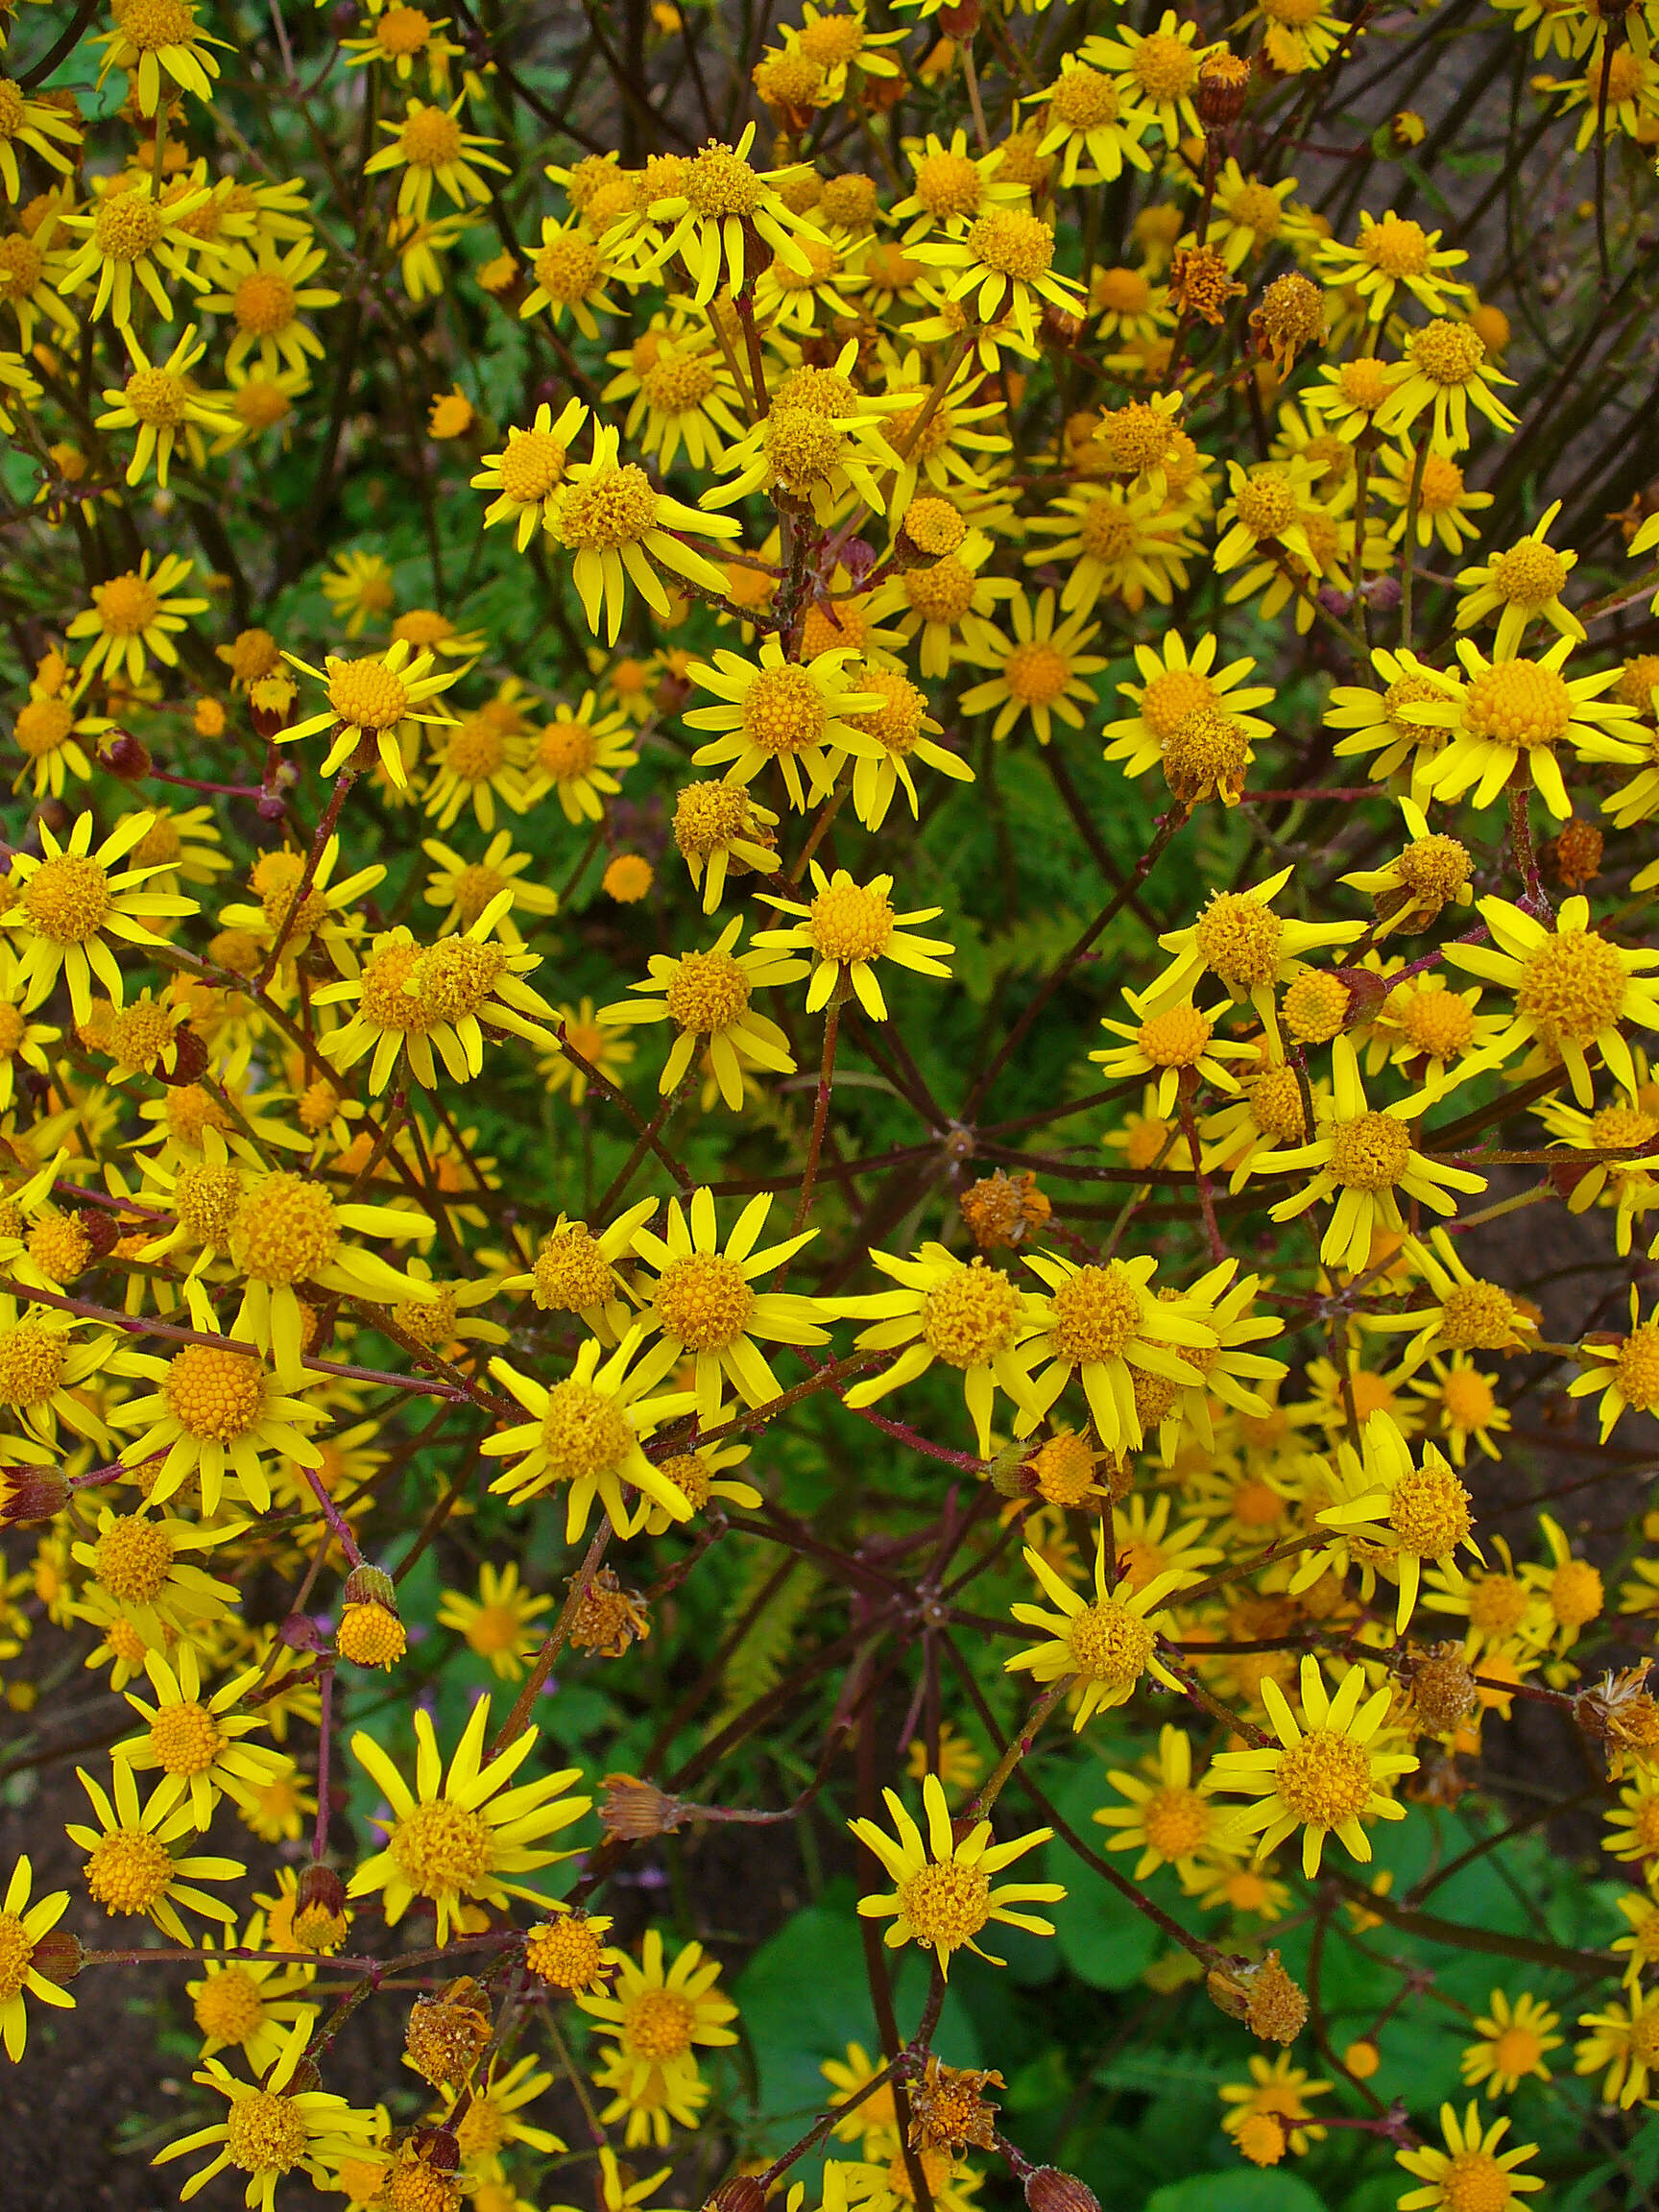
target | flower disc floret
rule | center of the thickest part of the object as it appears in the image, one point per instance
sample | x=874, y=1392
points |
x=658, y=2025
x=1036, y=672
x=129, y=1870
x=1096, y=1313
x=431, y=139
x=284, y=1231
x=31, y=1361
x=1267, y=504
x=1083, y=99
x=1164, y=68
x=851, y=922
x=1571, y=987
x=186, y=1738
x=942, y=593
x=707, y=992
x=67, y=898
x=1171, y=697
x=703, y=1300
x=453, y=979
x=784, y=711
x=676, y=382
x=1529, y=575
x=1239, y=939
x=1206, y=747
x=611, y=507
x=1176, y=1038
x=949, y=185
x=205, y=1198
x=566, y=266
x=42, y=724
x=1430, y=1510
x=946, y=1903
x=1447, y=353
x=126, y=227
x=530, y=463
x=1370, y=1152
x=1435, y=868
x=1109, y=1644
x=1518, y=703
x=1325, y=1779
x=1397, y=247
x=1014, y=244
x=266, y=2132
x=1477, y=1317
x=1636, y=1372
x=366, y=694
x=968, y=1315
x=718, y=182
x=439, y=1847
x=214, y=1393
x=584, y=1430
x=132, y=1559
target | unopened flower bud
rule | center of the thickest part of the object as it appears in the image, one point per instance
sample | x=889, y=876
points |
x=742, y=2192
x=185, y=1061
x=632, y=1811
x=57, y=1955
x=448, y=2032
x=32, y=1494
x=1048, y=2189
x=1223, y=81
x=123, y=755
x=961, y=22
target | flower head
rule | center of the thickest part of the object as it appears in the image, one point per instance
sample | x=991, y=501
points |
x=944, y=1894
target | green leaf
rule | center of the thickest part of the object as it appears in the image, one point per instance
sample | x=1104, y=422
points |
x=1102, y=1937
x=1241, y=2190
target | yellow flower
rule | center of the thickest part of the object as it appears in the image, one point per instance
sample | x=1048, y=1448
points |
x=196, y=1742
x=1514, y=2039
x=587, y=1433
x=1522, y=586
x=944, y=1893
x=468, y=887
x=131, y=231
x=1167, y=1044
x=22, y=1925
x=140, y=1562
x=263, y=294
x=134, y=1867
x=152, y=36
x=528, y=471
x=163, y=404
x=1405, y=1514
x=359, y=590
x=618, y=528
x=959, y=1766
x=1107, y=1646
x=274, y=2126
x=73, y=901
x=797, y=713
x=1626, y=1370
x=497, y=1623
x=1572, y=987
x=658, y=2016
x=846, y=929
x=673, y=378
x=1157, y=70
x=375, y=703
x=600, y=1046
x=580, y=756
x=43, y=127
x=456, y=1836
x=214, y=1411
x=1105, y=1325
x=1040, y=672
x=431, y=148
x=1323, y=1777
x=133, y=613
x=1471, y=2171
x=967, y=1314
x=1087, y=114
x=1446, y=372
x=716, y=210
x=701, y=1307
x=1277, y=2091
x=1510, y=712
x=1169, y=1818
x=1003, y=264
x=1243, y=944
x=707, y=995
x=1391, y=252
x=570, y=271
x=489, y=2122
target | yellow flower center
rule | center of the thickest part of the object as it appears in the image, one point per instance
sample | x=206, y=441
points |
x=228, y=2005
x=566, y=266
x=584, y=1432
x=32, y=1358
x=784, y=711
x=1176, y=1821
x=1474, y=2181
x=1575, y=1595
x=571, y=1271
x=942, y=593
x=214, y=1394
x=851, y=922
x=430, y=1321
x=493, y=1629
x=566, y=749
x=1497, y=1604
x=1020, y=247
x=803, y=447
x=475, y=750
x=482, y=2131
x=67, y=898
x=532, y=462
x=1430, y=1510
x=1325, y=1779
x=946, y=1904
x=949, y=185
x=708, y=992
x=22, y=263
x=366, y=694
x=1438, y=1023
x=935, y=525
x=1621, y=1125
x=1476, y=1316
x=129, y=1870
x=1316, y=1006
x=1447, y=353
x=370, y=1635
x=16, y=1951
x=1265, y=503
x=1109, y=1644
x=263, y=303
x=1171, y=698
x=441, y=1847
x=1256, y=208
x=832, y=39
x=1096, y=1313
x=677, y=383
x=1036, y=673
x=658, y=2024
x=1082, y=99
x=1237, y=939
x=1396, y=246
x=1529, y=575
x=430, y=139
x=264, y=2132
x=1518, y=703
x=284, y=1231
x=565, y=1952
x=454, y=977
x=1064, y=1469
x=401, y=31
x=1434, y=868
x=1517, y=2051
x=703, y=1300
x=206, y=1199
x=186, y=1738
x=717, y=184
x=1205, y=749
x=1109, y=532
x=1636, y=1370
x=1571, y=987
x=1176, y=1038
x=611, y=506
x=969, y=1315
x=1164, y=68
x=126, y=227
x=132, y=1559
x=1370, y=1152
x=260, y=404
x=689, y=1474
x=42, y=724
x=1122, y=291
x=140, y=1033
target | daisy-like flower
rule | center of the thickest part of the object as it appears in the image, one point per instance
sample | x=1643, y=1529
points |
x=707, y=997
x=1267, y=509
x=1514, y=2038
x=75, y=904
x=133, y=233
x=1471, y=2170
x=249, y=2004
x=152, y=36
x=1157, y=70
x=1431, y=872
x=432, y=149
x=375, y=703
x=1521, y=586
x=1108, y=1644
x=1626, y=1185
x=1468, y=1312
x=718, y=203
x=944, y=1895
x=1445, y=504
x=213, y=1413
x=1404, y=1513
x=1506, y=712
x=607, y=515
x=467, y=887
x=526, y=474
x=498, y=1625
x=1168, y=1818
x=1573, y=988
x=968, y=1315
x=457, y=1837
x=721, y=831
x=1115, y=543
x=163, y=403
x=800, y=714
x=474, y=763
x=22, y=1925
x=580, y=756
x=1178, y=685
x=679, y=389
x=1085, y=112
x=274, y=2126
x=1246, y=216
x=1393, y=251
x=1360, y=1156
x=40, y=126
x=133, y=1867
x=359, y=590
x=1446, y=372
x=587, y=1434
x=700, y=1476
x=490, y=2122
x=901, y=728
x=1041, y=672
x=135, y=613
x=141, y=1562
x=1624, y=1370
x=951, y=186
x=571, y=271
x=404, y=37
x=1640, y=1942
x=1104, y=1324
x=1322, y=1775
x=48, y=729
x=703, y=1309
x=1169, y=1042
x=263, y=293
x=1384, y=722
x=1275, y=2096
x=196, y=1742
x=845, y=930
x=1245, y=945
x=949, y=602
x=1004, y=264
x=658, y=2015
